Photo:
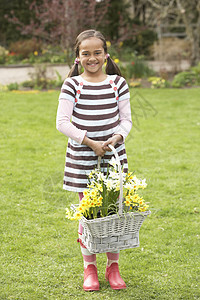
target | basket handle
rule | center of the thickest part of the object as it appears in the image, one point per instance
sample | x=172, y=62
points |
x=120, y=175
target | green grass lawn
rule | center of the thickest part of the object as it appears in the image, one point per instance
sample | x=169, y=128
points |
x=40, y=258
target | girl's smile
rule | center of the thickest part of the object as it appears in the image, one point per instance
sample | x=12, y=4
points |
x=92, y=56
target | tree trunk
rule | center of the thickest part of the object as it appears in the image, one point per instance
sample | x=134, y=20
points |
x=193, y=34
x=197, y=38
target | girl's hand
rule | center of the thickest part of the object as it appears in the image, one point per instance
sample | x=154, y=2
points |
x=113, y=141
x=96, y=146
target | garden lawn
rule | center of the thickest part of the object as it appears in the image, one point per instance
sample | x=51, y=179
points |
x=39, y=256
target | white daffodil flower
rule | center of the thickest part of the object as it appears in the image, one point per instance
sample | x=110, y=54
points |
x=143, y=183
x=100, y=176
x=113, y=175
x=113, y=162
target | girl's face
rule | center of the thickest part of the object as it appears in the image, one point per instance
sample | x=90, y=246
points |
x=92, y=56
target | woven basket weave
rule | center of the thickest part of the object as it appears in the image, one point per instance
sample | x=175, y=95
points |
x=115, y=232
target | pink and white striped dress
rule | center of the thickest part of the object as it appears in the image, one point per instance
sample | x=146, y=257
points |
x=96, y=111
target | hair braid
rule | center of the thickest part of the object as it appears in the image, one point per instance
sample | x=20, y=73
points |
x=112, y=68
x=74, y=71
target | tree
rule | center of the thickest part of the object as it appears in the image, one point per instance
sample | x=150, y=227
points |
x=116, y=19
x=58, y=22
x=21, y=10
x=120, y=25
x=177, y=12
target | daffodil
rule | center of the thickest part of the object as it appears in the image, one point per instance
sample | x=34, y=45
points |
x=69, y=214
x=128, y=186
x=143, y=183
x=114, y=175
x=135, y=197
x=77, y=216
x=102, y=193
x=93, y=193
x=143, y=208
x=109, y=184
x=85, y=192
x=113, y=162
x=127, y=202
x=99, y=187
x=100, y=176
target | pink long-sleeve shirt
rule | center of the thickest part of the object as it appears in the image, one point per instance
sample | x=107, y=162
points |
x=64, y=113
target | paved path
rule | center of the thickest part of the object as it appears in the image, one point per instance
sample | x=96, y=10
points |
x=22, y=73
x=19, y=74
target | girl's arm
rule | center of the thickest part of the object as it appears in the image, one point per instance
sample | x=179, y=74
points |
x=124, y=126
x=125, y=120
x=63, y=124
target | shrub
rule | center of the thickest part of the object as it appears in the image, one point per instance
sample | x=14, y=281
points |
x=3, y=88
x=25, y=47
x=196, y=70
x=135, y=83
x=39, y=76
x=13, y=86
x=28, y=84
x=2, y=59
x=187, y=78
x=3, y=53
x=136, y=68
x=39, y=79
x=158, y=82
x=13, y=58
x=142, y=41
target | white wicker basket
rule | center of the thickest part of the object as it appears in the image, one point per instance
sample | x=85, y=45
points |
x=115, y=232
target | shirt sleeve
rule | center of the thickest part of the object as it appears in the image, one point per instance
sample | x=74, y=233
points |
x=63, y=124
x=68, y=90
x=123, y=90
x=125, y=120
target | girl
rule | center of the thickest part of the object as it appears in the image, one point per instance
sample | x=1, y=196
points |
x=99, y=106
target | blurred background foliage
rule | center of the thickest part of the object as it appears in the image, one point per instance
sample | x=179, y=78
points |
x=145, y=27
x=43, y=31
x=27, y=26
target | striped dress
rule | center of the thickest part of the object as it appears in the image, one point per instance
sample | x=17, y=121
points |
x=95, y=110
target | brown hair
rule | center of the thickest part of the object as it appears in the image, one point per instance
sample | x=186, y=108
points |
x=111, y=66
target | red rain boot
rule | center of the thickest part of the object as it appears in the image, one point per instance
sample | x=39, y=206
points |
x=91, y=282
x=114, y=278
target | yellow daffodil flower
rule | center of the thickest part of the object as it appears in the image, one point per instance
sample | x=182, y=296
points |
x=77, y=216
x=127, y=202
